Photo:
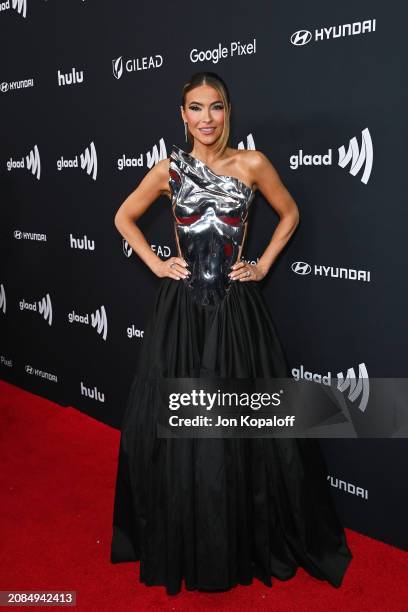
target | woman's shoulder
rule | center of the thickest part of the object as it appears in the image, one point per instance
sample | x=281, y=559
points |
x=250, y=156
x=251, y=163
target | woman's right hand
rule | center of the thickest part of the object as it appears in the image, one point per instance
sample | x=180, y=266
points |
x=173, y=267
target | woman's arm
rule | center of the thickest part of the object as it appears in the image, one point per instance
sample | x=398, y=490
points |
x=154, y=184
x=267, y=180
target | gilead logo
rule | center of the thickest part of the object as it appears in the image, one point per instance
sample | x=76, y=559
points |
x=126, y=248
x=135, y=64
x=161, y=250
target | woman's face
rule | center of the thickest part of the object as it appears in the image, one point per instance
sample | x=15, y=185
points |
x=204, y=113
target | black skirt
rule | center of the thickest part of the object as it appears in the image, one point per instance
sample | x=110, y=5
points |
x=218, y=511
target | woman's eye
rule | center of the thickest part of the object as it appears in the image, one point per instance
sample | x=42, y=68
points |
x=197, y=108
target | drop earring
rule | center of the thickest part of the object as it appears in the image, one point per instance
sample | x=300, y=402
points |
x=185, y=130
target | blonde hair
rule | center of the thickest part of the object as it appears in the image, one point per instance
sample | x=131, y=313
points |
x=212, y=79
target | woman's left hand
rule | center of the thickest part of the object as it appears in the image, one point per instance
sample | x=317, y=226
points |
x=243, y=271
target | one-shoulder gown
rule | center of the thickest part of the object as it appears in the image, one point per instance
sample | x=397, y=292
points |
x=216, y=512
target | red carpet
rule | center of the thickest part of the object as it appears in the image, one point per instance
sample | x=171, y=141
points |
x=58, y=469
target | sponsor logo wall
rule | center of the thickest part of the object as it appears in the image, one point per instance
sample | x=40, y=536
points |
x=86, y=116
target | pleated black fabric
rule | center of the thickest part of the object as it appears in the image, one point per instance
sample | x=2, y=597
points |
x=218, y=512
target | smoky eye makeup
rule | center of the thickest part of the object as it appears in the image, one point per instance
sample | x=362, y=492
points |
x=217, y=106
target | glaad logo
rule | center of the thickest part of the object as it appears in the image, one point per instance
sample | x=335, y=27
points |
x=130, y=162
x=70, y=78
x=19, y=235
x=342, y=485
x=19, y=5
x=133, y=332
x=358, y=390
x=43, y=307
x=357, y=387
x=98, y=320
x=303, y=268
x=357, y=157
x=250, y=144
x=31, y=162
x=152, y=158
x=35, y=371
x=2, y=299
x=157, y=154
x=302, y=37
x=89, y=161
x=135, y=64
x=92, y=393
x=82, y=244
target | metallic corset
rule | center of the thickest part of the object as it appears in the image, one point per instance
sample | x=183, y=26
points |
x=210, y=213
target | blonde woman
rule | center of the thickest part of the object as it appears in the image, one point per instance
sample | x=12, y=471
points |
x=215, y=512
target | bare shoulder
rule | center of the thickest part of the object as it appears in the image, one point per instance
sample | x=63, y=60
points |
x=254, y=164
x=162, y=167
x=254, y=159
x=159, y=176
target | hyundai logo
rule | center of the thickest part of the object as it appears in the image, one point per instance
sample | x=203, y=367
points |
x=301, y=267
x=301, y=37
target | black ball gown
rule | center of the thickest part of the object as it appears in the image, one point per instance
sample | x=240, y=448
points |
x=216, y=511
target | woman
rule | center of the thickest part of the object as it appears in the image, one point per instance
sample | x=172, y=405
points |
x=215, y=511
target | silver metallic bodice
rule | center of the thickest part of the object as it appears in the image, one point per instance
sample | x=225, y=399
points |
x=210, y=213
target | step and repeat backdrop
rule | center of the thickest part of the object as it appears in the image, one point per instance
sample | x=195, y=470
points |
x=90, y=95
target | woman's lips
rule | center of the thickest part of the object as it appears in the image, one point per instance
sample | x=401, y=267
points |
x=207, y=130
